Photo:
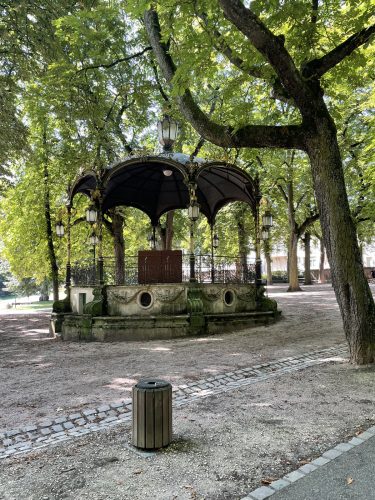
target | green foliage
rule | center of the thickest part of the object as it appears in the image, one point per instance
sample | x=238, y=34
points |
x=79, y=90
x=26, y=287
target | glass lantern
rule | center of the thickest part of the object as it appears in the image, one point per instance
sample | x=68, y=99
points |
x=193, y=211
x=91, y=215
x=215, y=241
x=167, y=132
x=60, y=229
x=94, y=240
x=267, y=219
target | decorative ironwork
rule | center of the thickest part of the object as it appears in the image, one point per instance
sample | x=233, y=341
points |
x=226, y=270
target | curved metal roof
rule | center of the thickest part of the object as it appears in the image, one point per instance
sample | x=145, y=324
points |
x=141, y=182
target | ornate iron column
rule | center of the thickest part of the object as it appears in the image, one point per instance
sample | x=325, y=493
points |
x=100, y=278
x=68, y=277
x=212, y=254
x=258, y=262
x=193, y=213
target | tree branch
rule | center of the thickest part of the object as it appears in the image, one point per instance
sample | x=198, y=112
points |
x=283, y=193
x=302, y=228
x=202, y=140
x=314, y=11
x=317, y=67
x=257, y=136
x=158, y=83
x=223, y=47
x=273, y=50
x=117, y=61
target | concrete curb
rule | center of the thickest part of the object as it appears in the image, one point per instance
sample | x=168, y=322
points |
x=325, y=458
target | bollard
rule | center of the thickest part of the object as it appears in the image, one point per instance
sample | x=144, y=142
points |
x=152, y=414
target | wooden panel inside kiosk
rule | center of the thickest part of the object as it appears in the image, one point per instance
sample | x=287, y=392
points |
x=159, y=266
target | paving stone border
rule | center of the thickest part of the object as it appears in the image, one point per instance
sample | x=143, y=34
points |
x=65, y=427
x=329, y=455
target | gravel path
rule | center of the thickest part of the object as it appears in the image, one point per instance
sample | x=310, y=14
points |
x=225, y=444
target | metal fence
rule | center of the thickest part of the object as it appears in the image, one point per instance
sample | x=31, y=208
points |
x=221, y=269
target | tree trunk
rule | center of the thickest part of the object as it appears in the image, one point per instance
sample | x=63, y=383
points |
x=49, y=231
x=293, y=264
x=242, y=246
x=351, y=287
x=118, y=247
x=169, y=230
x=307, y=275
x=322, y=275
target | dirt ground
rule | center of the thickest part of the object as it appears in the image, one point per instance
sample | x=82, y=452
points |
x=224, y=445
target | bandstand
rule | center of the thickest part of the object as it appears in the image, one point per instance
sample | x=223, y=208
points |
x=163, y=293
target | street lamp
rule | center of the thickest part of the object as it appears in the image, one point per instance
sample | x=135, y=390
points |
x=267, y=220
x=215, y=241
x=91, y=215
x=214, y=245
x=193, y=211
x=152, y=239
x=167, y=132
x=94, y=240
x=193, y=214
x=60, y=229
x=265, y=233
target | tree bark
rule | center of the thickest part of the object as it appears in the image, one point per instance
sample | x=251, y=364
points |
x=118, y=247
x=316, y=135
x=293, y=263
x=351, y=287
x=242, y=246
x=322, y=276
x=293, y=242
x=307, y=275
x=169, y=230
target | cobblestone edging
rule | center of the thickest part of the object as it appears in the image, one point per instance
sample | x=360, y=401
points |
x=49, y=431
x=329, y=455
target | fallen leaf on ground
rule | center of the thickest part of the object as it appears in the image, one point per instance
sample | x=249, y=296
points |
x=268, y=480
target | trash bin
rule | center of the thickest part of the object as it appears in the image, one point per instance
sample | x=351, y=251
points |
x=152, y=414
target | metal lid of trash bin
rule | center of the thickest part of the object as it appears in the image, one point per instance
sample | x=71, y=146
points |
x=152, y=383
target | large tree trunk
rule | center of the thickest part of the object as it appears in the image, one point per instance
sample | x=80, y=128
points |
x=351, y=287
x=322, y=275
x=169, y=230
x=307, y=275
x=293, y=264
x=242, y=245
x=166, y=233
x=118, y=247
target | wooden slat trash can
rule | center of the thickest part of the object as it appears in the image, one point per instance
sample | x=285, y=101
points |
x=152, y=414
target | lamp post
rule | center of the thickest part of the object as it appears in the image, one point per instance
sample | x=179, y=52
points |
x=214, y=246
x=167, y=134
x=152, y=238
x=265, y=233
x=267, y=220
x=258, y=262
x=193, y=214
x=94, y=240
x=91, y=215
x=60, y=231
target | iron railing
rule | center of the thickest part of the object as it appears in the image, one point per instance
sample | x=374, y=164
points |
x=222, y=269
